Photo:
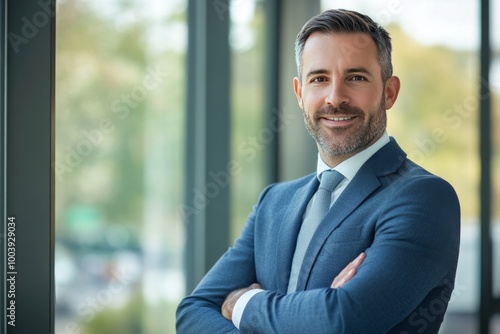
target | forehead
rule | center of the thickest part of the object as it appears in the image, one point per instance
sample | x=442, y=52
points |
x=325, y=50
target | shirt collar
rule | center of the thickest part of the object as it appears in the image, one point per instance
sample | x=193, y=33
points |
x=350, y=167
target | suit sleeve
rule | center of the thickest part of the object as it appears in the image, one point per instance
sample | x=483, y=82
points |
x=201, y=311
x=415, y=247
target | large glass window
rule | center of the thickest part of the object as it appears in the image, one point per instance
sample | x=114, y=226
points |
x=435, y=120
x=119, y=132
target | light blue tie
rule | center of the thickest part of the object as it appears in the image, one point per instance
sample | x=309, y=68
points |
x=320, y=206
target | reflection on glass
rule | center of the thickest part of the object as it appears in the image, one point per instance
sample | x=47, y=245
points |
x=119, y=120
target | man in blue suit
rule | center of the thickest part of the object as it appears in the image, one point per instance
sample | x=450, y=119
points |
x=383, y=257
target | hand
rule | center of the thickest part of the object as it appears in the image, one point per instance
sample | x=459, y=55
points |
x=232, y=298
x=348, y=272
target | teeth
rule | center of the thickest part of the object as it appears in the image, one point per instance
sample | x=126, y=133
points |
x=338, y=119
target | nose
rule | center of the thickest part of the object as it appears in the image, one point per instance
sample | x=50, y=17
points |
x=337, y=94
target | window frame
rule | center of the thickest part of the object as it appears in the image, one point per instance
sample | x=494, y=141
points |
x=3, y=146
x=27, y=155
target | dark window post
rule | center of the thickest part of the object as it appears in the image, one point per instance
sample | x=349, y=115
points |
x=29, y=97
x=487, y=301
x=207, y=170
x=272, y=88
x=3, y=158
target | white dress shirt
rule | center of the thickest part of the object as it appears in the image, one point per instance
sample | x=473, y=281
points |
x=348, y=168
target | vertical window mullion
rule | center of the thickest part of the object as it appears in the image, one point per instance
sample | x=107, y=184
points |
x=29, y=157
x=3, y=161
x=487, y=302
x=206, y=207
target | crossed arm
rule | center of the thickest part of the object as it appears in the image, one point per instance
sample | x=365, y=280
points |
x=345, y=275
x=413, y=254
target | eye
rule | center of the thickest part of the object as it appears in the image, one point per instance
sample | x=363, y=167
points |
x=357, y=78
x=319, y=79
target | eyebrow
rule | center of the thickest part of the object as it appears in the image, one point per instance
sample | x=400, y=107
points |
x=358, y=70
x=348, y=71
x=315, y=72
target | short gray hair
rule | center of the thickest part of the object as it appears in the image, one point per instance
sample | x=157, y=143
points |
x=346, y=21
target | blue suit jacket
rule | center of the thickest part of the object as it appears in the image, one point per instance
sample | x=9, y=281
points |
x=405, y=219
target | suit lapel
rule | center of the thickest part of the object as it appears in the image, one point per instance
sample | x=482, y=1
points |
x=289, y=229
x=355, y=193
x=366, y=181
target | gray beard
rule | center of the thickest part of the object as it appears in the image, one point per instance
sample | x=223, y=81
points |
x=357, y=140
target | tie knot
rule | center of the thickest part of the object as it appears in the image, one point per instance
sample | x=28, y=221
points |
x=330, y=179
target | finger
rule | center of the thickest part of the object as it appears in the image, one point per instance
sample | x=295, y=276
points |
x=341, y=280
x=348, y=272
x=344, y=279
x=232, y=298
x=226, y=310
x=354, y=264
x=357, y=261
x=229, y=302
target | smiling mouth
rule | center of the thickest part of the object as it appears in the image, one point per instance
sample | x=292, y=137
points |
x=339, y=119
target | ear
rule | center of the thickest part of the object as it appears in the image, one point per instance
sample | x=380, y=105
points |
x=391, y=91
x=297, y=88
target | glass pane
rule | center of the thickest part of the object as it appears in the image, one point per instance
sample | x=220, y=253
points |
x=119, y=132
x=435, y=119
x=247, y=103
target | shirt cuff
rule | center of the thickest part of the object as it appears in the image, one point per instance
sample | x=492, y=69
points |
x=240, y=305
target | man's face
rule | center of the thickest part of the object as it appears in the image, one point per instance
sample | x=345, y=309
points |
x=342, y=94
